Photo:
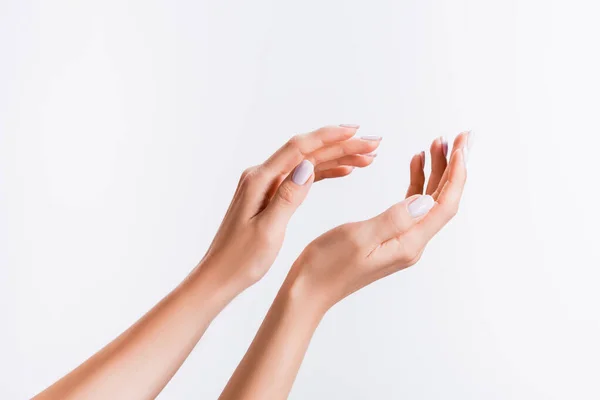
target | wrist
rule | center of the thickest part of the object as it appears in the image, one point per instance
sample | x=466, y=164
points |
x=300, y=295
x=210, y=279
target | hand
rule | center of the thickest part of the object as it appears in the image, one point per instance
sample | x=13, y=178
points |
x=149, y=353
x=353, y=255
x=267, y=195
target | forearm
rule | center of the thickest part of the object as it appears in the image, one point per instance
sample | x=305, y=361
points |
x=270, y=366
x=140, y=362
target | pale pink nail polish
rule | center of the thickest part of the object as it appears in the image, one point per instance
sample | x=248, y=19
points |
x=470, y=139
x=351, y=126
x=371, y=137
x=420, y=206
x=302, y=172
x=444, y=146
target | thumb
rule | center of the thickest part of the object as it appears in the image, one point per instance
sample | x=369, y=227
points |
x=290, y=194
x=400, y=217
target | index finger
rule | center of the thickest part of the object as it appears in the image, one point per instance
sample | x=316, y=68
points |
x=461, y=141
x=284, y=160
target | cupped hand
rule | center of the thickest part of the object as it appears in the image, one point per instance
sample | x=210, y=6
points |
x=267, y=195
x=353, y=255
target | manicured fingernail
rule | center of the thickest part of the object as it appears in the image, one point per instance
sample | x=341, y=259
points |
x=444, y=146
x=420, y=206
x=465, y=155
x=351, y=126
x=470, y=139
x=372, y=154
x=302, y=172
x=371, y=137
x=422, y=154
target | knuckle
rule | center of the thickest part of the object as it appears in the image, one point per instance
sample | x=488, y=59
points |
x=294, y=145
x=248, y=174
x=325, y=129
x=286, y=194
x=245, y=173
x=395, y=218
x=414, y=259
x=294, y=142
x=410, y=251
x=409, y=257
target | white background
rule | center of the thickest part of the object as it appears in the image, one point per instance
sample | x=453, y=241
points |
x=124, y=128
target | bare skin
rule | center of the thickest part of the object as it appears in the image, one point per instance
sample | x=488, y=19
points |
x=342, y=261
x=142, y=360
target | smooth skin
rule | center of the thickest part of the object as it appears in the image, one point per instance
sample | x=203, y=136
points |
x=342, y=261
x=142, y=360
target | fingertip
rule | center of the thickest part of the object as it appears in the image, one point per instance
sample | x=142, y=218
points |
x=435, y=145
x=444, y=142
x=370, y=146
x=417, y=163
x=303, y=172
x=341, y=171
x=366, y=160
x=458, y=164
x=337, y=172
x=439, y=148
x=346, y=171
x=460, y=140
x=362, y=160
x=347, y=130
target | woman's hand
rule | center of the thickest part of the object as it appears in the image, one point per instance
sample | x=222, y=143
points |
x=267, y=195
x=353, y=255
x=342, y=261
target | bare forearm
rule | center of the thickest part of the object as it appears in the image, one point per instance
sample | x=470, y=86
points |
x=140, y=362
x=270, y=366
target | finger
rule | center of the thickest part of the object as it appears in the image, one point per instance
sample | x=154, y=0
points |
x=399, y=218
x=336, y=172
x=417, y=175
x=459, y=142
x=447, y=204
x=345, y=148
x=356, y=160
x=289, y=195
x=299, y=146
x=438, y=150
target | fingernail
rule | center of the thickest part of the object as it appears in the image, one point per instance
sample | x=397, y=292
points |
x=302, y=172
x=470, y=139
x=351, y=126
x=422, y=159
x=444, y=146
x=371, y=137
x=420, y=206
x=372, y=154
x=465, y=155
